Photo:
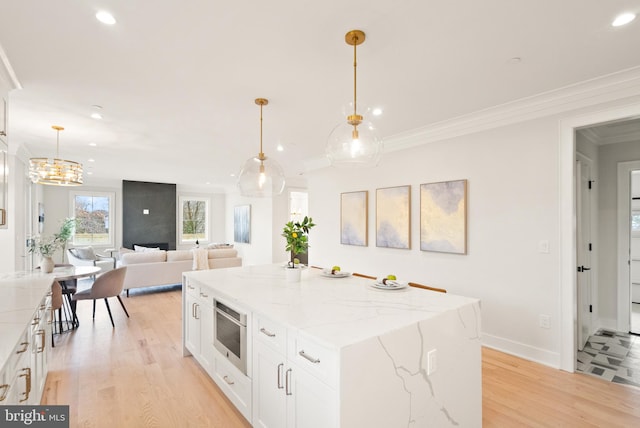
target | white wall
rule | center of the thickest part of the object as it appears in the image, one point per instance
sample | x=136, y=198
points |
x=512, y=206
x=259, y=250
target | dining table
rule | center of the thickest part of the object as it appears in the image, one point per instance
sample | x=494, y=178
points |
x=67, y=276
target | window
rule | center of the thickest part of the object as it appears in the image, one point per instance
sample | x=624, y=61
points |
x=93, y=212
x=194, y=219
x=635, y=223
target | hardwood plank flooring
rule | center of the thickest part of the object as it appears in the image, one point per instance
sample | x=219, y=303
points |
x=135, y=376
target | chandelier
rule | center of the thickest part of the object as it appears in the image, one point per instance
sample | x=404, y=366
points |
x=354, y=142
x=261, y=176
x=56, y=171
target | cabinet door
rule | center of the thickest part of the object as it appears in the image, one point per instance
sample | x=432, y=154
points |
x=206, y=337
x=269, y=399
x=192, y=314
x=310, y=403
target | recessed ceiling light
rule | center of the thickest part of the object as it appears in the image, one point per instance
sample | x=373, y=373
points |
x=232, y=174
x=207, y=183
x=91, y=160
x=515, y=60
x=105, y=17
x=377, y=111
x=93, y=144
x=279, y=147
x=89, y=173
x=96, y=116
x=623, y=19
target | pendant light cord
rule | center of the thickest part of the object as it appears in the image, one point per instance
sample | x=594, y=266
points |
x=261, y=155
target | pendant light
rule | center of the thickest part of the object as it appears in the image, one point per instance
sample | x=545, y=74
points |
x=261, y=176
x=354, y=143
x=56, y=171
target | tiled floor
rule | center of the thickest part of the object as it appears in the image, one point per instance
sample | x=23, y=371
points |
x=612, y=356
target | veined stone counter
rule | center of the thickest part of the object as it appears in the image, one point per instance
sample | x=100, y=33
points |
x=20, y=295
x=382, y=341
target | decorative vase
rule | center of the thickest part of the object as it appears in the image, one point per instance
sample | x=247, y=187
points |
x=292, y=274
x=47, y=264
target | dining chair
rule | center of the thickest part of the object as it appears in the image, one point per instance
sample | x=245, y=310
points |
x=109, y=284
x=426, y=287
x=56, y=305
x=361, y=275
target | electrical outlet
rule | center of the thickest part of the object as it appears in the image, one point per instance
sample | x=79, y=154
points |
x=432, y=361
x=545, y=321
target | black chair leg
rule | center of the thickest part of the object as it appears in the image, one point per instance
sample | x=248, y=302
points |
x=94, y=309
x=122, y=303
x=109, y=310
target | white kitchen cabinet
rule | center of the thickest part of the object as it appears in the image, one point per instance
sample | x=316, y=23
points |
x=25, y=373
x=286, y=394
x=199, y=326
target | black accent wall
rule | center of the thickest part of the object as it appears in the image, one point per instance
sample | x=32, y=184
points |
x=159, y=225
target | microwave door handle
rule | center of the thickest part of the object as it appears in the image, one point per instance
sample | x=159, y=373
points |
x=229, y=317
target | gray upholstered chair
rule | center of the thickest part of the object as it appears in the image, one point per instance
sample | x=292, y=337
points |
x=109, y=284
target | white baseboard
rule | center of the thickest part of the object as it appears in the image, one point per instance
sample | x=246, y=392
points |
x=606, y=323
x=538, y=355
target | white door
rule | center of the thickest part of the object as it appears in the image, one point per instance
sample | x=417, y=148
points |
x=583, y=246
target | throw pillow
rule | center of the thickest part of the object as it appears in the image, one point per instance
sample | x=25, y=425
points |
x=145, y=249
x=85, y=253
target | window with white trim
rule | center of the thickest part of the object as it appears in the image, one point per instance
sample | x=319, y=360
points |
x=94, y=216
x=193, y=219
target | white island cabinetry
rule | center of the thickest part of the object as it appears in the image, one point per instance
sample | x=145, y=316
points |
x=330, y=352
x=285, y=394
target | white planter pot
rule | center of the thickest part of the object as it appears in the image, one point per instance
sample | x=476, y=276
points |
x=292, y=274
x=47, y=264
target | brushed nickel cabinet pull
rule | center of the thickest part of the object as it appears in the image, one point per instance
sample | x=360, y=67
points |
x=226, y=379
x=287, y=380
x=280, y=367
x=203, y=295
x=267, y=332
x=308, y=357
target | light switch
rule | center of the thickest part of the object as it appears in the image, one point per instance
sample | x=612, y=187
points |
x=145, y=211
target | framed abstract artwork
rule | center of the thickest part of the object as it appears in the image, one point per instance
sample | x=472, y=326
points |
x=393, y=217
x=353, y=218
x=242, y=224
x=443, y=217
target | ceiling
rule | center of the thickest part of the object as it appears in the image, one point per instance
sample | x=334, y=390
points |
x=177, y=80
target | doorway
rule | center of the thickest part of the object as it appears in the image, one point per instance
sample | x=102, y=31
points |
x=634, y=238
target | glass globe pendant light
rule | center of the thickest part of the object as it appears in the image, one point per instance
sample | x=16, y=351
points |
x=354, y=143
x=260, y=176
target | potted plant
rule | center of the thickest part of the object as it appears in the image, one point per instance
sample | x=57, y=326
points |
x=297, y=241
x=47, y=246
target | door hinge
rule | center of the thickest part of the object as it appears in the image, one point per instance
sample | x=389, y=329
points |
x=590, y=308
x=590, y=246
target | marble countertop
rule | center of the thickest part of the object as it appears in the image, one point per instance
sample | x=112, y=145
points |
x=20, y=296
x=335, y=311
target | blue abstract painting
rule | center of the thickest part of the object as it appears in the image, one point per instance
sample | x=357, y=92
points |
x=393, y=217
x=353, y=218
x=443, y=217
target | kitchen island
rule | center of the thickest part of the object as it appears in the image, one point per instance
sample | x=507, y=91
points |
x=336, y=352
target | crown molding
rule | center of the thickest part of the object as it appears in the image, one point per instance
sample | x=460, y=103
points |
x=614, y=86
x=6, y=71
x=610, y=87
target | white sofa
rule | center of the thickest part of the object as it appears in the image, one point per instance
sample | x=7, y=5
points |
x=150, y=268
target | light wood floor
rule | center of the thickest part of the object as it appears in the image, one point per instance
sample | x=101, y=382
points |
x=135, y=376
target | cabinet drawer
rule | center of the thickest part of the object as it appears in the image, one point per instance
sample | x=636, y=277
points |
x=314, y=358
x=270, y=333
x=192, y=290
x=235, y=385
